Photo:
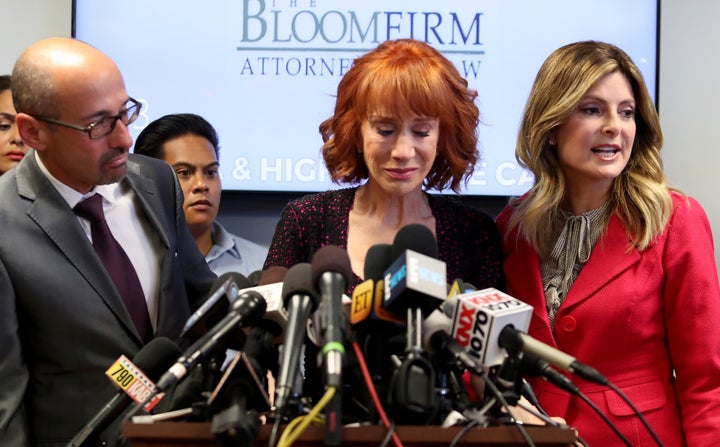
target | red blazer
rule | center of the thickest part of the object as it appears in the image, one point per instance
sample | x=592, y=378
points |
x=648, y=321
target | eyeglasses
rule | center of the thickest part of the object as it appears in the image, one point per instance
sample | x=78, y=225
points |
x=105, y=126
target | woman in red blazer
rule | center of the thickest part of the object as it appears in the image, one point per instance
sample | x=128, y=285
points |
x=619, y=267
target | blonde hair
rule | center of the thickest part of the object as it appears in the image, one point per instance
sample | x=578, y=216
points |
x=640, y=194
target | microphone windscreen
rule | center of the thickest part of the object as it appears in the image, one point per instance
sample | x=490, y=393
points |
x=251, y=306
x=254, y=277
x=435, y=323
x=240, y=280
x=331, y=258
x=298, y=281
x=415, y=237
x=532, y=365
x=272, y=275
x=377, y=260
x=156, y=357
x=217, y=303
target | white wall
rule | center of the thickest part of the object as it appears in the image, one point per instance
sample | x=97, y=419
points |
x=688, y=101
x=26, y=21
x=689, y=98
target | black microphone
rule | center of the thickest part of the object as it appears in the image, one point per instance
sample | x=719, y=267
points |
x=534, y=366
x=300, y=299
x=516, y=341
x=414, y=283
x=367, y=315
x=254, y=277
x=223, y=292
x=247, y=309
x=377, y=330
x=377, y=259
x=436, y=337
x=153, y=359
x=331, y=271
x=270, y=285
x=416, y=278
x=272, y=275
x=450, y=359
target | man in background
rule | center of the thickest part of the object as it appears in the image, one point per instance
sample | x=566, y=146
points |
x=190, y=145
x=66, y=312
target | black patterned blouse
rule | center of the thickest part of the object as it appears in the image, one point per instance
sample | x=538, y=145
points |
x=468, y=240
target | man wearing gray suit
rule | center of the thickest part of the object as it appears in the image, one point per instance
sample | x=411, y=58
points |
x=63, y=320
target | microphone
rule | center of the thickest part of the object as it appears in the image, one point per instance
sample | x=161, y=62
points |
x=479, y=318
x=534, y=366
x=415, y=279
x=153, y=359
x=215, y=307
x=415, y=283
x=247, y=309
x=377, y=259
x=436, y=338
x=367, y=298
x=458, y=287
x=515, y=340
x=377, y=329
x=488, y=321
x=254, y=277
x=274, y=274
x=449, y=359
x=331, y=271
x=276, y=316
x=300, y=300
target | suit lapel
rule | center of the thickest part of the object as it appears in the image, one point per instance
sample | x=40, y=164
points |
x=54, y=217
x=147, y=194
x=609, y=259
x=522, y=266
x=149, y=198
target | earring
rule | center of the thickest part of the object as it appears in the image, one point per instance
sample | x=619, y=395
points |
x=551, y=142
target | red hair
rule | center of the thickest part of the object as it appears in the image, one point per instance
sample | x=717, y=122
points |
x=403, y=77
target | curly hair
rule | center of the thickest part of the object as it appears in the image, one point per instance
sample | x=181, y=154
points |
x=404, y=77
x=640, y=194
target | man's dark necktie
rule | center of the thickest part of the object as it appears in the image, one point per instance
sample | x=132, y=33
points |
x=116, y=262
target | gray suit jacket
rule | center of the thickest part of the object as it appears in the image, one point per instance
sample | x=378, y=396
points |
x=62, y=322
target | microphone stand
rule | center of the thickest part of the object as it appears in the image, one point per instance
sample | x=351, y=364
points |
x=236, y=425
x=193, y=392
x=241, y=395
x=451, y=391
x=412, y=395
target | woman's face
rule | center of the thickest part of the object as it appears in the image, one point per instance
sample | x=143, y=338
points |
x=399, y=152
x=595, y=143
x=12, y=148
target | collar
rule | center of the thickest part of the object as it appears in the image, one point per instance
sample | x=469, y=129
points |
x=223, y=242
x=111, y=192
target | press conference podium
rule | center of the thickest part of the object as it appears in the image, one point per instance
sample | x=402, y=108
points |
x=197, y=434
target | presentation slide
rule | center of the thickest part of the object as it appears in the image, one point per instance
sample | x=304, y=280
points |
x=265, y=72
